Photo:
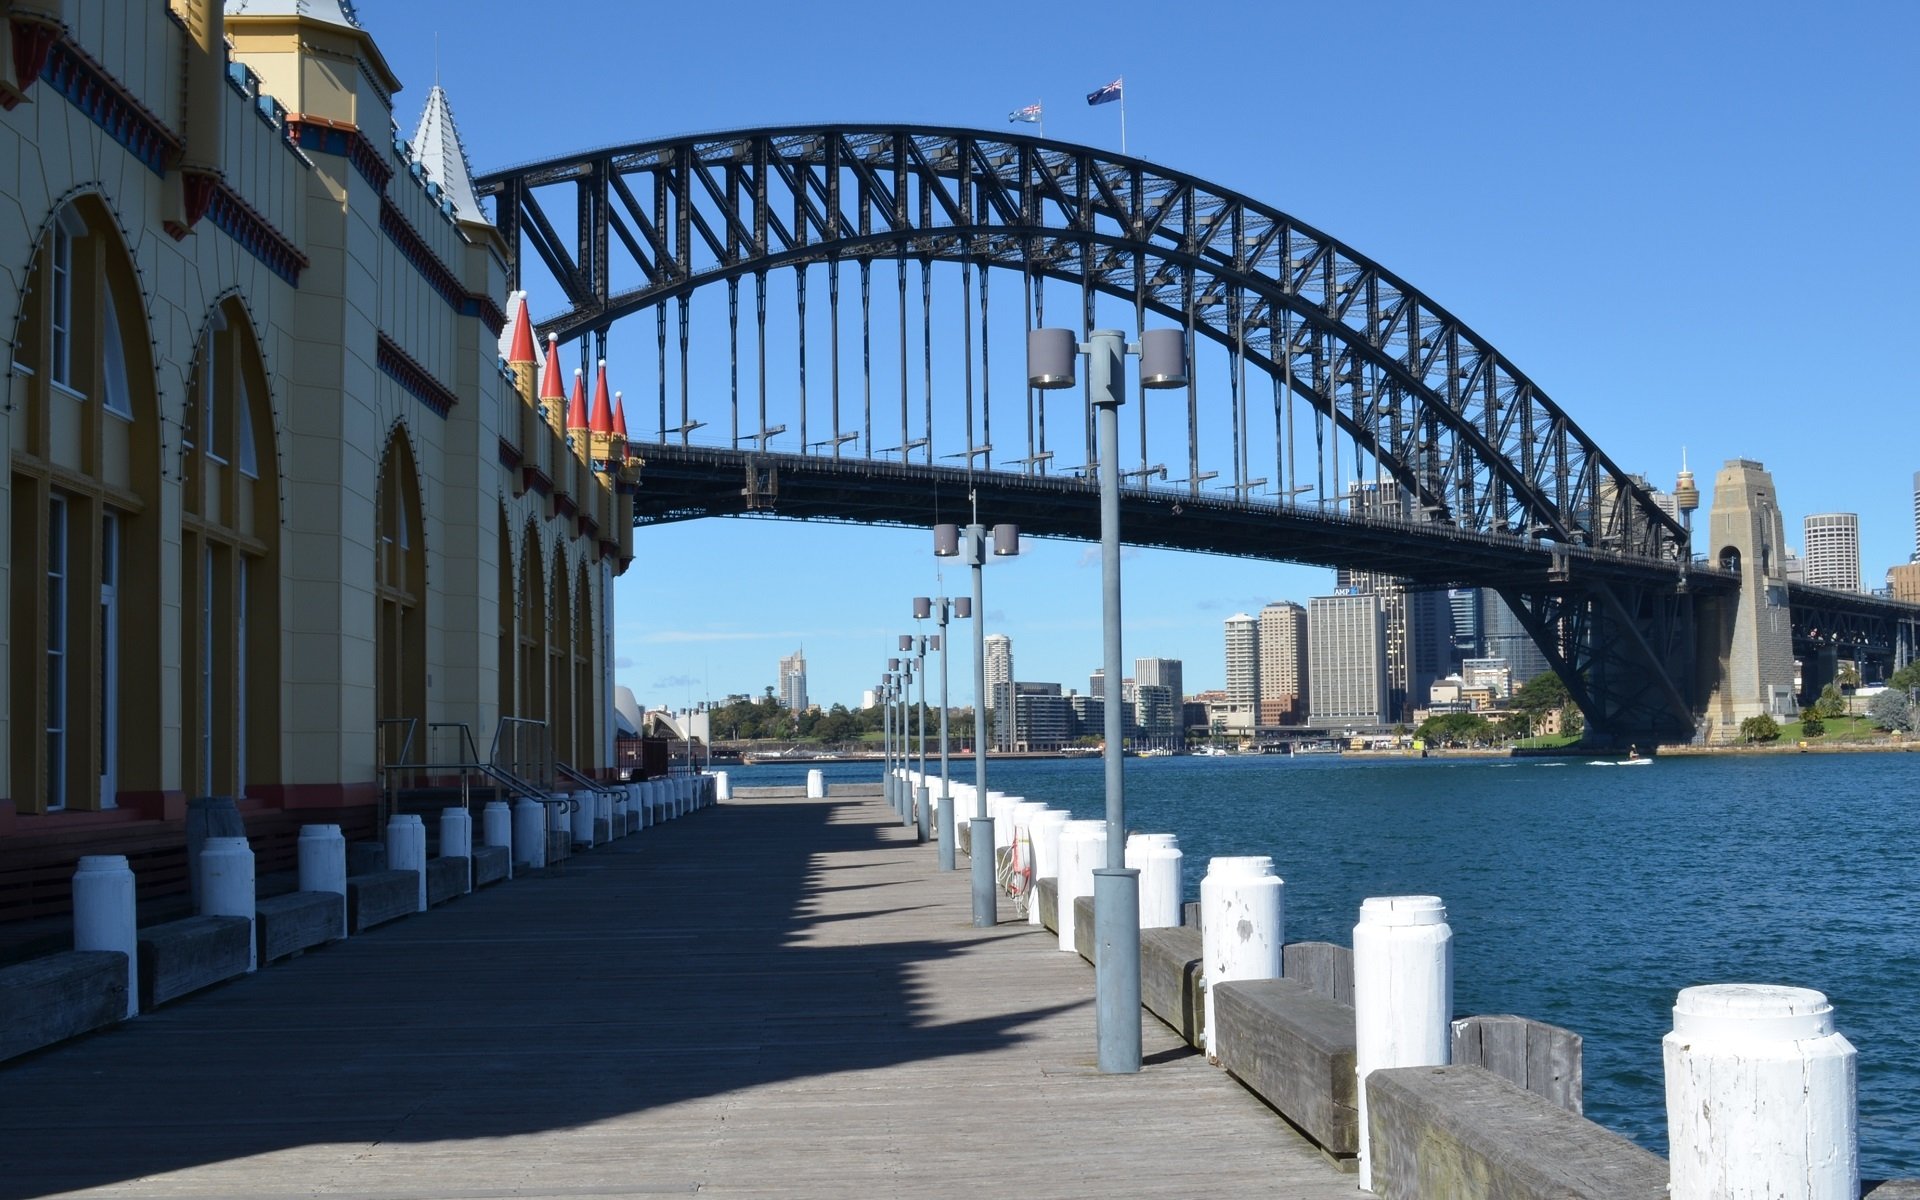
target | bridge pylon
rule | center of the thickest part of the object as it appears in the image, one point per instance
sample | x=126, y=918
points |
x=1746, y=638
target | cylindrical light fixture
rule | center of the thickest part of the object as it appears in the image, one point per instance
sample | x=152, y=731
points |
x=1006, y=541
x=906, y=643
x=1163, y=358
x=893, y=664
x=1050, y=357
x=963, y=608
x=922, y=607
x=946, y=541
x=933, y=642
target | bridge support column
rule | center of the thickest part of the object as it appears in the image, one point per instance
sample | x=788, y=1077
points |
x=1747, y=642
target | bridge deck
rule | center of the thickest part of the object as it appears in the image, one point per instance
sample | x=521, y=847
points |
x=773, y=997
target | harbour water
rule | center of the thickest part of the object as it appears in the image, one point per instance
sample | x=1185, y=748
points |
x=1584, y=896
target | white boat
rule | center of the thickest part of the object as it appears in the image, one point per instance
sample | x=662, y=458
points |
x=1621, y=762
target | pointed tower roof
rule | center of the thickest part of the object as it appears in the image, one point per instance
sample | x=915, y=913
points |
x=602, y=419
x=577, y=403
x=436, y=143
x=516, y=345
x=619, y=417
x=550, y=380
x=332, y=12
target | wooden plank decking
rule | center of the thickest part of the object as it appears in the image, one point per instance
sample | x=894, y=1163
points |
x=774, y=997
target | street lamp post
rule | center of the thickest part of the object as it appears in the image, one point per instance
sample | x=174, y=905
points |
x=942, y=609
x=970, y=544
x=886, y=728
x=916, y=813
x=1116, y=890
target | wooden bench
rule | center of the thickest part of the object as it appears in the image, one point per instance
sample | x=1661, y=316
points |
x=1046, y=894
x=1294, y=1048
x=51, y=999
x=295, y=921
x=1467, y=1134
x=1170, y=970
x=184, y=956
x=1542, y=1058
x=446, y=879
x=490, y=865
x=381, y=896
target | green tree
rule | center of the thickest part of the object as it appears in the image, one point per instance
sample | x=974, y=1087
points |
x=1829, y=705
x=1811, y=725
x=1455, y=729
x=1762, y=728
x=1906, y=678
x=1892, y=711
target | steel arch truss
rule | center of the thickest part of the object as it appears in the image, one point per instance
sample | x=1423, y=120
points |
x=1442, y=411
x=1863, y=628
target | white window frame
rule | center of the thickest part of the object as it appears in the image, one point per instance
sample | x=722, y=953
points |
x=115, y=395
x=60, y=305
x=57, y=656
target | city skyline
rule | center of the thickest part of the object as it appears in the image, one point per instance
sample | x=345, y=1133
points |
x=1690, y=167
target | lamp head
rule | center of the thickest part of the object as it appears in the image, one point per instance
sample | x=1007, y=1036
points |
x=1163, y=358
x=962, y=607
x=1050, y=355
x=946, y=541
x=922, y=607
x=1006, y=541
x=906, y=643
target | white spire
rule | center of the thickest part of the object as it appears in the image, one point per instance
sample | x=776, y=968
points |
x=436, y=143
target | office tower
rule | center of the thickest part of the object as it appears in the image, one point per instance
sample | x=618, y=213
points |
x=1793, y=567
x=1347, y=660
x=1391, y=501
x=1507, y=638
x=999, y=650
x=1283, y=664
x=1916, y=517
x=1243, y=670
x=1042, y=719
x=1464, y=604
x=1430, y=652
x=1167, y=672
x=1158, y=713
x=793, y=682
x=1097, y=682
x=1833, y=551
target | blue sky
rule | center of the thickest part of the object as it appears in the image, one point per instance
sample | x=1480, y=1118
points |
x=1693, y=225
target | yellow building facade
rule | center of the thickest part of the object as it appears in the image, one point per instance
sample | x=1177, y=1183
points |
x=276, y=498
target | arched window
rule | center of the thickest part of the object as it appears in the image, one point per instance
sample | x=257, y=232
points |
x=229, y=565
x=559, y=675
x=84, y=686
x=399, y=577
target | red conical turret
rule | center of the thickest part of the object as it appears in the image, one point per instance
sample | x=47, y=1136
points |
x=577, y=404
x=619, y=417
x=602, y=421
x=521, y=349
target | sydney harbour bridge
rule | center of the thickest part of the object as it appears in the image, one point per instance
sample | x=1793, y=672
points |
x=827, y=323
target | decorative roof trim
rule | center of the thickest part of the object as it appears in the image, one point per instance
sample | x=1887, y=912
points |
x=416, y=379
x=342, y=140
x=438, y=275
x=86, y=84
x=209, y=196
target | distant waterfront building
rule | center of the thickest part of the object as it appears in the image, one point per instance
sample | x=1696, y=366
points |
x=1494, y=674
x=1042, y=719
x=1157, y=712
x=1163, y=671
x=1243, y=670
x=1347, y=660
x=1916, y=517
x=793, y=682
x=1833, y=551
x=1097, y=682
x=999, y=650
x=869, y=699
x=1903, y=582
x=1793, y=567
x=1507, y=638
x=1283, y=664
x=1464, y=604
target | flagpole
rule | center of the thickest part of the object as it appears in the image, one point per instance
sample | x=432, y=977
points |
x=1123, y=115
x=1042, y=122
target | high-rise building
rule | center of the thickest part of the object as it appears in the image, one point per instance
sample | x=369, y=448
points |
x=1097, y=682
x=793, y=682
x=1916, y=517
x=1411, y=668
x=1347, y=660
x=1158, y=713
x=999, y=651
x=1833, y=551
x=1243, y=670
x=1507, y=638
x=1166, y=672
x=1283, y=664
x=1042, y=719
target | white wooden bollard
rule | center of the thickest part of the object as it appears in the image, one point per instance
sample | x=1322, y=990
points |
x=1402, y=993
x=722, y=786
x=529, y=834
x=1760, y=1096
x=226, y=886
x=816, y=784
x=103, y=914
x=617, y=814
x=1243, y=923
x=962, y=798
x=559, y=823
x=323, y=864
x=1000, y=807
x=496, y=828
x=1045, y=829
x=407, y=849
x=456, y=839
x=1158, y=858
x=581, y=819
x=1083, y=847
x=686, y=794
x=636, y=807
x=603, y=813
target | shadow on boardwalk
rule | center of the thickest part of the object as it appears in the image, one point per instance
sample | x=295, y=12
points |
x=684, y=962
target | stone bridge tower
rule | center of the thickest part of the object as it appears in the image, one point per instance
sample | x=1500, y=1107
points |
x=1746, y=640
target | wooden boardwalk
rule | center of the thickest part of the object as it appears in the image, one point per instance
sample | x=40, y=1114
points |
x=774, y=997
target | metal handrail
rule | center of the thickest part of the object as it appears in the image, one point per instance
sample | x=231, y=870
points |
x=500, y=776
x=466, y=735
x=579, y=778
x=493, y=751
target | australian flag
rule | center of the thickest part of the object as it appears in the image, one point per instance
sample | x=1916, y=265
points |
x=1105, y=95
x=1030, y=114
